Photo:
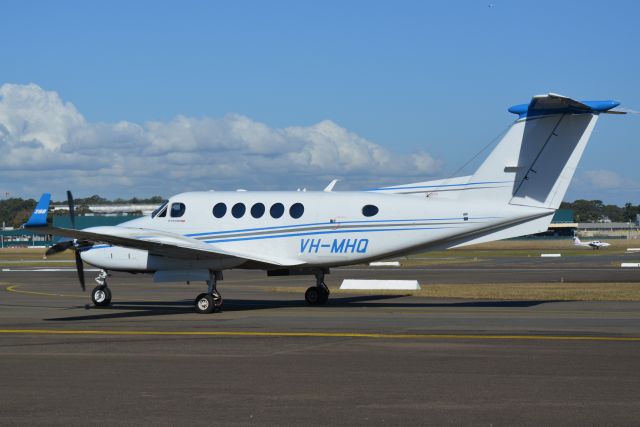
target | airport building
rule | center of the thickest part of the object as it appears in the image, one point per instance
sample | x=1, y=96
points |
x=10, y=238
x=563, y=224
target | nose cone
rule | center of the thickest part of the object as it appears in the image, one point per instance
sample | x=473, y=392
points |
x=93, y=255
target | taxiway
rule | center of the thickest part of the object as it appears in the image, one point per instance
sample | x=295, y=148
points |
x=270, y=359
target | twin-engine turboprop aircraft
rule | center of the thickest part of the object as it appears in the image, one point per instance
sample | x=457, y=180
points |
x=195, y=236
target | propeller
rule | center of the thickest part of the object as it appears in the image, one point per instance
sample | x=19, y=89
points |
x=72, y=217
x=61, y=246
x=80, y=269
x=76, y=245
x=72, y=212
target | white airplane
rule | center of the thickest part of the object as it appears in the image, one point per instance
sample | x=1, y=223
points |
x=195, y=236
x=594, y=244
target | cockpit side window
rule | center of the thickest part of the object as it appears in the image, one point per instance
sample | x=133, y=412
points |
x=177, y=210
x=160, y=210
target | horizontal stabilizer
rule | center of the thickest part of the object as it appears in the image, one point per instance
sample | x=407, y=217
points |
x=551, y=103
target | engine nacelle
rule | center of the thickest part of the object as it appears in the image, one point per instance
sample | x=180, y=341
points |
x=117, y=258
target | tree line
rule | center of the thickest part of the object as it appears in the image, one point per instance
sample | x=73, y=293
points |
x=596, y=211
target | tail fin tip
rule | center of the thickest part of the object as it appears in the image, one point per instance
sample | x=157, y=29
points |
x=39, y=216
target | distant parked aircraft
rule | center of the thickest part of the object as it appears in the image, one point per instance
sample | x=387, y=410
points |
x=594, y=244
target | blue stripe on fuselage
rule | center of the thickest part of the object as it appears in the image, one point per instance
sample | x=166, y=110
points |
x=335, y=224
x=439, y=185
x=312, y=233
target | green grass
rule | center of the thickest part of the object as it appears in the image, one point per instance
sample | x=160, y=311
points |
x=509, y=291
x=24, y=254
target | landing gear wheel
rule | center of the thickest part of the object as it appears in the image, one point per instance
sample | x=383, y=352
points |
x=205, y=304
x=316, y=296
x=101, y=296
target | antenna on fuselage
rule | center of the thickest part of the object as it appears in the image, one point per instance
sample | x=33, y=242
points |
x=329, y=188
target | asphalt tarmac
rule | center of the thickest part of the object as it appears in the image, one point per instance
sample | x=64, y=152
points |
x=270, y=359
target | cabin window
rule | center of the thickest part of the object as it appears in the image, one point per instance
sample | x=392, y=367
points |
x=219, y=210
x=296, y=210
x=277, y=210
x=177, y=210
x=369, y=210
x=238, y=210
x=160, y=210
x=257, y=210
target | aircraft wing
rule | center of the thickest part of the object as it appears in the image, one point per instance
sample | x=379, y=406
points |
x=155, y=241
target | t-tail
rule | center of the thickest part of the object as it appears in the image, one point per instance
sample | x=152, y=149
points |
x=530, y=169
x=534, y=162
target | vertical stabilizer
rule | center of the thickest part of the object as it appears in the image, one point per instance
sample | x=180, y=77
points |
x=534, y=162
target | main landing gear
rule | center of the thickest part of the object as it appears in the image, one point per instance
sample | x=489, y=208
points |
x=101, y=294
x=318, y=294
x=212, y=300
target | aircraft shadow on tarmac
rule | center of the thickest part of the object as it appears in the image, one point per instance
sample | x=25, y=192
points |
x=162, y=308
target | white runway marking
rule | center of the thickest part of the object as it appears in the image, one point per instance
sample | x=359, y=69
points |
x=407, y=285
x=385, y=264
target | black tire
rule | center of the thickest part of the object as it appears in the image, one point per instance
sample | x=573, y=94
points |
x=101, y=296
x=315, y=296
x=204, y=304
x=312, y=296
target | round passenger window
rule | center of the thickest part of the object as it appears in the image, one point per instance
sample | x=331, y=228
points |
x=219, y=210
x=177, y=210
x=277, y=210
x=238, y=210
x=369, y=210
x=296, y=210
x=257, y=210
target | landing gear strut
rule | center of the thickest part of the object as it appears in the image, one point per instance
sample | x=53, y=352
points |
x=212, y=300
x=101, y=294
x=318, y=294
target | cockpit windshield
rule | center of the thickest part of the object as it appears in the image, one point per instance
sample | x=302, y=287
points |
x=159, y=209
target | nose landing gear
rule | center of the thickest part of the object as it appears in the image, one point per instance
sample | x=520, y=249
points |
x=101, y=294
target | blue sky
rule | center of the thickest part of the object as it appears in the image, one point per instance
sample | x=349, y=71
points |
x=422, y=81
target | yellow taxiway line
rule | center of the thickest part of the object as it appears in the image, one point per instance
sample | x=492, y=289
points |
x=14, y=288
x=322, y=335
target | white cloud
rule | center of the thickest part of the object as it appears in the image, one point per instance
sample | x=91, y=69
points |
x=47, y=144
x=604, y=179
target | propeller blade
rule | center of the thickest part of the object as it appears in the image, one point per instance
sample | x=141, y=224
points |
x=80, y=269
x=72, y=213
x=59, y=247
